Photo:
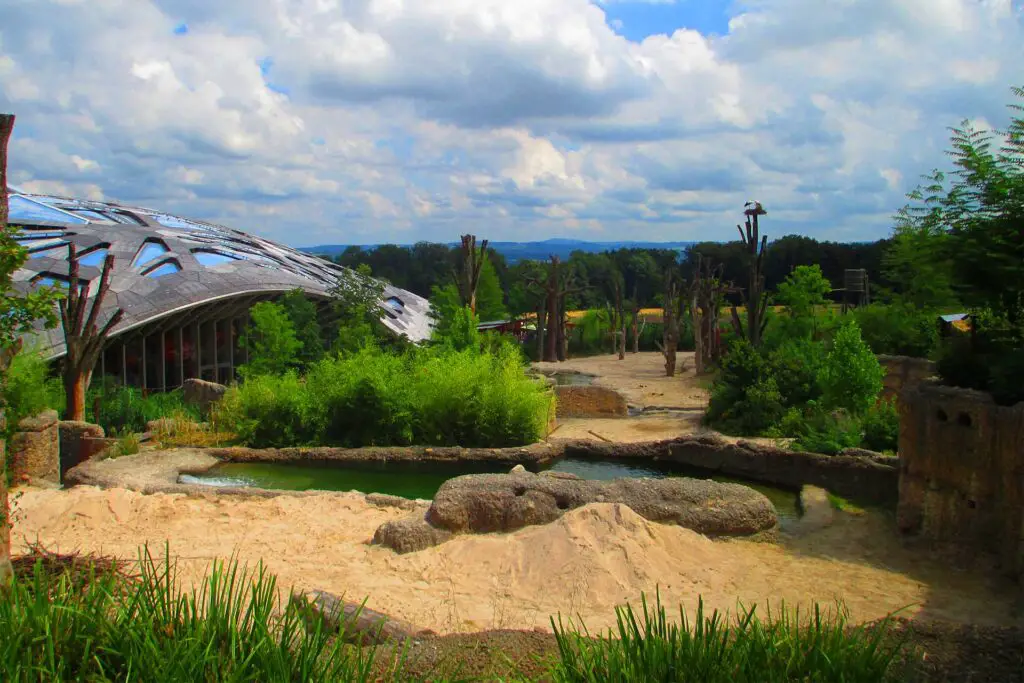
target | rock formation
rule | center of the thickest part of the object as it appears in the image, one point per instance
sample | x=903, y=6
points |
x=485, y=503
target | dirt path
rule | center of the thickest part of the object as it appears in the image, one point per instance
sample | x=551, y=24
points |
x=640, y=377
x=588, y=562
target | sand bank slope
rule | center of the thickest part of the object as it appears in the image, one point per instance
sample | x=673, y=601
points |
x=588, y=561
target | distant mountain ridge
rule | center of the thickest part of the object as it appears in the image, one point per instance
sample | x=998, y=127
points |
x=523, y=251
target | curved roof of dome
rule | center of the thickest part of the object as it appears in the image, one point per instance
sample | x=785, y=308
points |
x=166, y=264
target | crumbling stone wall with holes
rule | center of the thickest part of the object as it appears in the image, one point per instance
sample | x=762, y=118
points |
x=903, y=372
x=962, y=470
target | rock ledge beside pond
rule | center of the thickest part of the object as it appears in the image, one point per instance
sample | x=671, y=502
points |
x=485, y=503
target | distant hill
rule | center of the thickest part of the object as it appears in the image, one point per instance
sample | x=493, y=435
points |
x=525, y=251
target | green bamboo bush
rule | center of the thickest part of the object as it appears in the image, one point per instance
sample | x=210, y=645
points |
x=121, y=409
x=649, y=648
x=438, y=396
x=107, y=627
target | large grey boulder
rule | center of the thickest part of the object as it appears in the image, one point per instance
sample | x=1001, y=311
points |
x=486, y=503
x=203, y=394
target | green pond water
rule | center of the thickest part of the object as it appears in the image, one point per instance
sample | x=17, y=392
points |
x=422, y=479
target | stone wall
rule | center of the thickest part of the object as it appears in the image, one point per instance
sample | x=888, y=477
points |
x=904, y=372
x=962, y=471
x=862, y=476
x=588, y=401
x=35, y=449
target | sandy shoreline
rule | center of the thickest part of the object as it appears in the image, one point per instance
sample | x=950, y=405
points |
x=588, y=562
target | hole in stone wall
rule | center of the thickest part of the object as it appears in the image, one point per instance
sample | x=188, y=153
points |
x=519, y=490
x=971, y=504
x=940, y=414
x=964, y=420
x=562, y=503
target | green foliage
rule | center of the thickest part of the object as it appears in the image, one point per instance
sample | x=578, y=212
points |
x=899, y=329
x=105, y=627
x=490, y=299
x=18, y=310
x=881, y=426
x=303, y=315
x=356, y=306
x=29, y=389
x=745, y=399
x=269, y=411
x=124, y=409
x=803, y=290
x=439, y=396
x=796, y=366
x=460, y=331
x=270, y=341
x=851, y=377
x=651, y=648
x=819, y=431
x=991, y=361
x=445, y=304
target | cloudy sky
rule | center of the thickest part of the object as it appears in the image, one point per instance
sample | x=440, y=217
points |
x=364, y=121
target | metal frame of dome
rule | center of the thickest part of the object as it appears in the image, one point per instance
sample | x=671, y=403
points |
x=193, y=265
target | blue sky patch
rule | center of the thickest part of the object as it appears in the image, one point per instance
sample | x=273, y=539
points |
x=638, y=20
x=180, y=30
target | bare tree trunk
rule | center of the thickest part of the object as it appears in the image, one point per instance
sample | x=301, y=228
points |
x=6, y=570
x=636, y=320
x=74, y=392
x=83, y=338
x=670, y=319
x=563, y=323
x=540, y=330
x=6, y=355
x=469, y=277
x=755, y=298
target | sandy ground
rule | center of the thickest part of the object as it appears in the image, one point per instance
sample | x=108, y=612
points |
x=640, y=377
x=591, y=560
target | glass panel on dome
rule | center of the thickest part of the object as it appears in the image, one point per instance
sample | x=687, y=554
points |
x=34, y=238
x=95, y=216
x=213, y=258
x=58, y=251
x=93, y=258
x=150, y=250
x=165, y=268
x=24, y=210
x=32, y=244
x=394, y=303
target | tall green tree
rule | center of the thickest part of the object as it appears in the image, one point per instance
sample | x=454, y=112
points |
x=490, y=299
x=303, y=314
x=270, y=341
x=975, y=216
x=356, y=308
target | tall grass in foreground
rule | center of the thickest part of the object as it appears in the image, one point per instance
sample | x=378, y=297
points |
x=650, y=648
x=107, y=627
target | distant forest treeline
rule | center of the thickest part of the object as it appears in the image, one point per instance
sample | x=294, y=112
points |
x=426, y=269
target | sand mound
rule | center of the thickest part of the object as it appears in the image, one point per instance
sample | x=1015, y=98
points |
x=598, y=555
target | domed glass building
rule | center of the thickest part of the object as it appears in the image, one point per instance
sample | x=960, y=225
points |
x=186, y=286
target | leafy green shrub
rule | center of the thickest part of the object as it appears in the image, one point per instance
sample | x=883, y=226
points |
x=106, y=627
x=796, y=365
x=29, y=390
x=821, y=431
x=269, y=410
x=898, y=329
x=437, y=396
x=270, y=341
x=851, y=377
x=124, y=409
x=881, y=426
x=789, y=647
